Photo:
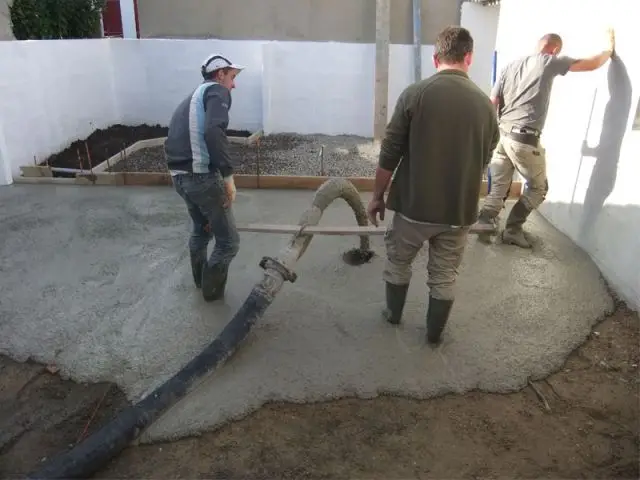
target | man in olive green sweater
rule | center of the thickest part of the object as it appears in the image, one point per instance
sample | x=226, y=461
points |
x=439, y=142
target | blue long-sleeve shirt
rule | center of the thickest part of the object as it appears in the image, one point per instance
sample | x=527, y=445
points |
x=197, y=140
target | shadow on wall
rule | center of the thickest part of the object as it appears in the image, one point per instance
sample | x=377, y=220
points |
x=607, y=152
x=636, y=121
x=614, y=247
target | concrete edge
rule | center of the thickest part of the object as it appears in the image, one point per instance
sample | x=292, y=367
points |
x=279, y=182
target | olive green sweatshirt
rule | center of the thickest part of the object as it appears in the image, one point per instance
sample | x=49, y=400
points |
x=439, y=141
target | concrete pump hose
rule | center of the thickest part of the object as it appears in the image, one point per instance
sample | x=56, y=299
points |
x=92, y=454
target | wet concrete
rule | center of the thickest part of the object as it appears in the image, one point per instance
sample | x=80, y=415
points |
x=97, y=281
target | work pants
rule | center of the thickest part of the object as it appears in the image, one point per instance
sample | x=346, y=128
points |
x=529, y=161
x=204, y=194
x=404, y=239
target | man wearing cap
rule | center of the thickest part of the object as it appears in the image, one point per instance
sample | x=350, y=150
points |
x=521, y=96
x=197, y=151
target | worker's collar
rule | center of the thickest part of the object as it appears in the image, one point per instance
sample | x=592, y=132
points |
x=453, y=71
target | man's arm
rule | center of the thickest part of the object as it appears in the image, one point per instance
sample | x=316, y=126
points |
x=216, y=120
x=393, y=147
x=595, y=62
x=496, y=92
x=495, y=139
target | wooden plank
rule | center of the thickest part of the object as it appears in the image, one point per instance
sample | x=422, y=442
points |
x=341, y=230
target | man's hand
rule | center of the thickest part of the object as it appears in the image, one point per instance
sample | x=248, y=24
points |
x=375, y=207
x=611, y=34
x=230, y=190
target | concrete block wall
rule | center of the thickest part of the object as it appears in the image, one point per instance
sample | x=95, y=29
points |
x=592, y=135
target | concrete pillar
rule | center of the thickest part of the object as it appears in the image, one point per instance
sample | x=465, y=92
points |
x=383, y=30
x=128, y=15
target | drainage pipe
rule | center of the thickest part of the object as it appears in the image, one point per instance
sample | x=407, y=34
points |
x=417, y=40
x=97, y=450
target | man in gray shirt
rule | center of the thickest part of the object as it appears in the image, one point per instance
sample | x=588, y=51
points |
x=521, y=96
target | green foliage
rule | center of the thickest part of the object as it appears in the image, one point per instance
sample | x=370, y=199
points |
x=55, y=19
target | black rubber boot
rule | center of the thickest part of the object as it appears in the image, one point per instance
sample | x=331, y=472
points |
x=198, y=259
x=437, y=316
x=396, y=298
x=214, y=281
x=513, y=233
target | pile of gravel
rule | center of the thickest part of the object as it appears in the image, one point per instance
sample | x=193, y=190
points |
x=281, y=154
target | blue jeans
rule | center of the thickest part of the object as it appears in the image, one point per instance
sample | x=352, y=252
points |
x=204, y=195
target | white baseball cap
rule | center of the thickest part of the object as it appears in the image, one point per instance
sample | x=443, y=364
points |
x=216, y=62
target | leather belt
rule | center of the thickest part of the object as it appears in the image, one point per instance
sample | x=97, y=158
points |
x=526, y=135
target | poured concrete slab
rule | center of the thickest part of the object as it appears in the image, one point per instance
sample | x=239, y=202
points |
x=97, y=281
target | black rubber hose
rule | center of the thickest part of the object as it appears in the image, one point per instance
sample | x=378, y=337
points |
x=97, y=450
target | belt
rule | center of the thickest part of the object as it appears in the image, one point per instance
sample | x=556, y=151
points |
x=523, y=131
x=526, y=135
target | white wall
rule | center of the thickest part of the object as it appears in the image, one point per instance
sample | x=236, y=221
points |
x=594, y=196
x=55, y=92
x=482, y=22
x=52, y=93
x=329, y=87
x=152, y=76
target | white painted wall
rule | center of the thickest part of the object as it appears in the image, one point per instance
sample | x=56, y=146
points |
x=594, y=196
x=482, y=22
x=152, y=76
x=328, y=88
x=54, y=92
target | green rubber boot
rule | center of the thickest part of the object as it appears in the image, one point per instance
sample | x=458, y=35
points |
x=513, y=233
x=214, y=282
x=437, y=317
x=396, y=297
x=198, y=259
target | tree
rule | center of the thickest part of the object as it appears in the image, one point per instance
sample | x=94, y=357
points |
x=55, y=19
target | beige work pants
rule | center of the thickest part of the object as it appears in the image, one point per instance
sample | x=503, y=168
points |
x=405, y=238
x=529, y=161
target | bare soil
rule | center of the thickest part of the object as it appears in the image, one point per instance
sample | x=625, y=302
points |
x=104, y=143
x=591, y=427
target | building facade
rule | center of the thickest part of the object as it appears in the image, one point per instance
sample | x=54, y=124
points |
x=349, y=21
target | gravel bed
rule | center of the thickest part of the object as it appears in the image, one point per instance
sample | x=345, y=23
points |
x=281, y=154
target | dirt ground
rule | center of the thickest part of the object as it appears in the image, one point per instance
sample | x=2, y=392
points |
x=591, y=427
x=104, y=143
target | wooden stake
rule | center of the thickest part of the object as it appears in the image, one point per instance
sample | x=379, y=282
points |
x=258, y=155
x=86, y=146
x=79, y=159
